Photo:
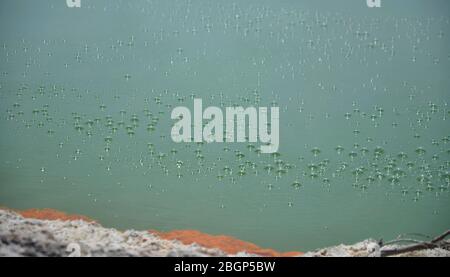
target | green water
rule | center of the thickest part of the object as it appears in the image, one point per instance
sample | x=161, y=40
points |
x=86, y=95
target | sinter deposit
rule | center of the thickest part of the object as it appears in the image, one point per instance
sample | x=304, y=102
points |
x=21, y=236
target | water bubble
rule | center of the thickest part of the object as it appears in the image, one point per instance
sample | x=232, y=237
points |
x=269, y=168
x=79, y=128
x=279, y=162
x=313, y=167
x=394, y=180
x=339, y=149
x=251, y=147
x=316, y=151
x=227, y=170
x=281, y=171
x=296, y=184
x=402, y=156
x=364, y=150
x=240, y=155
x=242, y=172
x=420, y=151
x=275, y=155
x=134, y=118
x=379, y=151
x=352, y=154
x=373, y=117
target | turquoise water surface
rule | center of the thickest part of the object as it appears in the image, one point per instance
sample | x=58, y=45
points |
x=86, y=96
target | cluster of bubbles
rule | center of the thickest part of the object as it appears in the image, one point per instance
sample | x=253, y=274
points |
x=400, y=144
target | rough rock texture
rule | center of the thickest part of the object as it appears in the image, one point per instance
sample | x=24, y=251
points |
x=21, y=236
x=370, y=248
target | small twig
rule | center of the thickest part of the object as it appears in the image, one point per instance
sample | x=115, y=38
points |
x=406, y=249
x=403, y=241
x=441, y=237
x=417, y=245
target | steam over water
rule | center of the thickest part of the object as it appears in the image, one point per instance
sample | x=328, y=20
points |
x=86, y=96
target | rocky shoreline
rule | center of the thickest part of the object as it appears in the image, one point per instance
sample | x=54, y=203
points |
x=74, y=236
x=21, y=236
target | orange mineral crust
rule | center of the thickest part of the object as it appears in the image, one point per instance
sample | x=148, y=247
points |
x=50, y=214
x=227, y=244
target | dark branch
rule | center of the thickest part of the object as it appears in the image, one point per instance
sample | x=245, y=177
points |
x=418, y=245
